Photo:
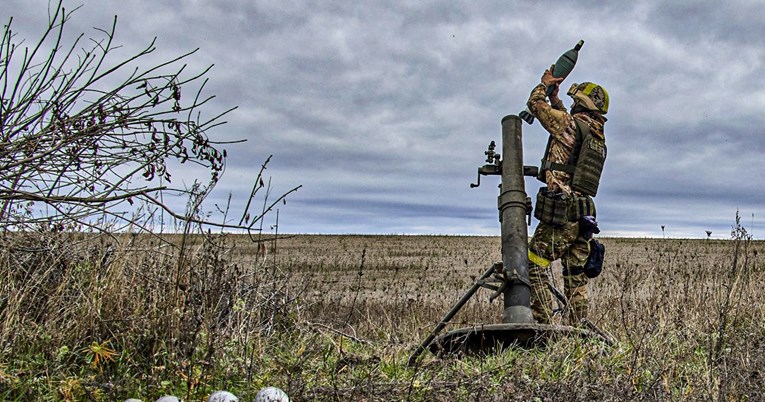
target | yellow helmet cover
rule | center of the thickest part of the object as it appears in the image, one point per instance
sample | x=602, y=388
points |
x=593, y=96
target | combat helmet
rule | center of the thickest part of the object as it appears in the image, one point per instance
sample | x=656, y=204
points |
x=591, y=96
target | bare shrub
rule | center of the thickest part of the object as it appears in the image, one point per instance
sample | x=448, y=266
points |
x=83, y=134
x=87, y=288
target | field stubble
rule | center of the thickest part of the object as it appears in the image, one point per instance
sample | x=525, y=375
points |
x=336, y=317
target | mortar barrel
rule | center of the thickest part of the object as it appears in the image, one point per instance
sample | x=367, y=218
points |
x=512, y=212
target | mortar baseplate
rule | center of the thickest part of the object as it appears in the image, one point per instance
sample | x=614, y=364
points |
x=490, y=338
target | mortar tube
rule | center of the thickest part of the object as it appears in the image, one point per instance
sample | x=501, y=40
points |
x=512, y=213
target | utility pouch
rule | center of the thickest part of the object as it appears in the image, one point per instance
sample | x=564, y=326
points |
x=594, y=264
x=552, y=208
x=581, y=206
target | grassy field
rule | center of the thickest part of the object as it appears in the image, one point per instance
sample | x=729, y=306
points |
x=88, y=317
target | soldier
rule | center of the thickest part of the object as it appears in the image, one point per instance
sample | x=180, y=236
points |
x=571, y=170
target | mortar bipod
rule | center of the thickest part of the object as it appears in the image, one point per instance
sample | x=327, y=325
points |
x=454, y=310
x=527, y=334
x=493, y=279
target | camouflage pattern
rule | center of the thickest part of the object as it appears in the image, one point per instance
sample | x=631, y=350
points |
x=561, y=126
x=591, y=95
x=552, y=243
x=575, y=288
x=562, y=242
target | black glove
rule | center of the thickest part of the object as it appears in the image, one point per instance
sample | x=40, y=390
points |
x=588, y=226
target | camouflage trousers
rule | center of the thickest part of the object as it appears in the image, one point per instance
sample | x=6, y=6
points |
x=551, y=243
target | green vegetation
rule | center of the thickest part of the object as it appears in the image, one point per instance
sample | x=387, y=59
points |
x=94, y=317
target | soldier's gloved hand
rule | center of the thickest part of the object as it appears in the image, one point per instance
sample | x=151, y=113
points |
x=588, y=226
x=548, y=80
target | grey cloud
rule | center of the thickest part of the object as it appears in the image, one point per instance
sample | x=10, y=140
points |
x=737, y=22
x=383, y=111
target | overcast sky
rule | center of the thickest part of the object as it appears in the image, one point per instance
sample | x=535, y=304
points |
x=382, y=110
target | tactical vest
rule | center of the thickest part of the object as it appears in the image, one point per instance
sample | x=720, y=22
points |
x=585, y=164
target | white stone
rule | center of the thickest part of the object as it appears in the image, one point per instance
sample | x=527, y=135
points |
x=222, y=396
x=271, y=394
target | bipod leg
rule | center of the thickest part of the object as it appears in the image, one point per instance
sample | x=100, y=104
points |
x=602, y=334
x=558, y=295
x=445, y=320
x=589, y=324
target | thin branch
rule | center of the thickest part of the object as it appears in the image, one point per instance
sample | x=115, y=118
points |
x=51, y=199
x=255, y=187
x=185, y=218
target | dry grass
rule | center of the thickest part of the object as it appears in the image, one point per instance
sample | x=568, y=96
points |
x=336, y=317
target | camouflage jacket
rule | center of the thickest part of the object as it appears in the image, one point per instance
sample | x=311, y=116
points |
x=562, y=128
